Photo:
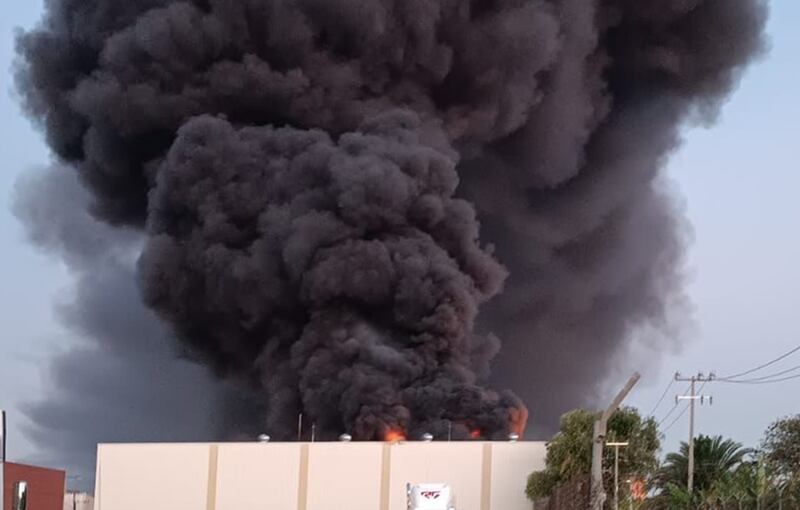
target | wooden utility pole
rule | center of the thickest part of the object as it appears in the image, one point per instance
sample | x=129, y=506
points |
x=691, y=398
x=598, y=495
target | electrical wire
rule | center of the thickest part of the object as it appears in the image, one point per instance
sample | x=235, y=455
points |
x=765, y=365
x=685, y=408
x=673, y=422
x=769, y=381
x=669, y=413
x=663, y=395
x=763, y=378
x=672, y=409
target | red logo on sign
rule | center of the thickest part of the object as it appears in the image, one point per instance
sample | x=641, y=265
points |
x=430, y=494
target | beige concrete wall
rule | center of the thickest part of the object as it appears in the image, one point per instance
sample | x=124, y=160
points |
x=458, y=466
x=344, y=479
x=317, y=476
x=167, y=477
x=263, y=477
x=511, y=466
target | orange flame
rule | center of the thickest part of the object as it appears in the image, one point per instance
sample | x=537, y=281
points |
x=394, y=436
x=518, y=420
x=639, y=490
x=475, y=433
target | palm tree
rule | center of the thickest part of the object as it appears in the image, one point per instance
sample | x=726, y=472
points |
x=714, y=459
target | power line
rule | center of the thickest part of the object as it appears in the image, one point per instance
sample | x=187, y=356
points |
x=685, y=408
x=669, y=413
x=765, y=365
x=673, y=422
x=763, y=378
x=672, y=409
x=755, y=381
x=663, y=395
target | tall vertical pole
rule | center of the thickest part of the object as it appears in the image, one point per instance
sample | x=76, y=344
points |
x=2, y=436
x=598, y=495
x=690, y=481
x=2, y=455
x=616, y=477
x=691, y=398
x=630, y=497
x=630, y=494
x=616, y=446
x=300, y=427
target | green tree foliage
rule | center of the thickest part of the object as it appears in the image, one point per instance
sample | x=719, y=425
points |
x=730, y=477
x=569, y=453
x=781, y=449
x=714, y=459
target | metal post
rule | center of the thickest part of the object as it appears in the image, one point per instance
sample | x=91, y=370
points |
x=2, y=454
x=690, y=481
x=760, y=488
x=630, y=497
x=630, y=494
x=2, y=436
x=616, y=471
x=300, y=427
x=598, y=495
x=616, y=477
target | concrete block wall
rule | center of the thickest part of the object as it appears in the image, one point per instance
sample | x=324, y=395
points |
x=311, y=476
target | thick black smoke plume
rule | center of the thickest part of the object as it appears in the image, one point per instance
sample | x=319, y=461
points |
x=123, y=380
x=307, y=175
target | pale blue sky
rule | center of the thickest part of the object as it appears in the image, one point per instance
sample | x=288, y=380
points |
x=739, y=181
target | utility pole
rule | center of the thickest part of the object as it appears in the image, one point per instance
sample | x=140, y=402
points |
x=598, y=495
x=616, y=471
x=630, y=494
x=300, y=427
x=3, y=439
x=693, y=380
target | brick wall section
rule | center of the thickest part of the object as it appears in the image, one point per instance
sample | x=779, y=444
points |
x=45, y=486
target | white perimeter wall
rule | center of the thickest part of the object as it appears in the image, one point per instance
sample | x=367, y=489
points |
x=79, y=501
x=311, y=476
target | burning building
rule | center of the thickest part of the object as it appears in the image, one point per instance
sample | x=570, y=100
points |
x=335, y=475
x=341, y=208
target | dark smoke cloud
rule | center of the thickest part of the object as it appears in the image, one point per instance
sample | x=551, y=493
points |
x=121, y=381
x=345, y=269
x=307, y=175
x=575, y=205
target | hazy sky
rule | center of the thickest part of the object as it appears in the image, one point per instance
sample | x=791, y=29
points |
x=739, y=181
